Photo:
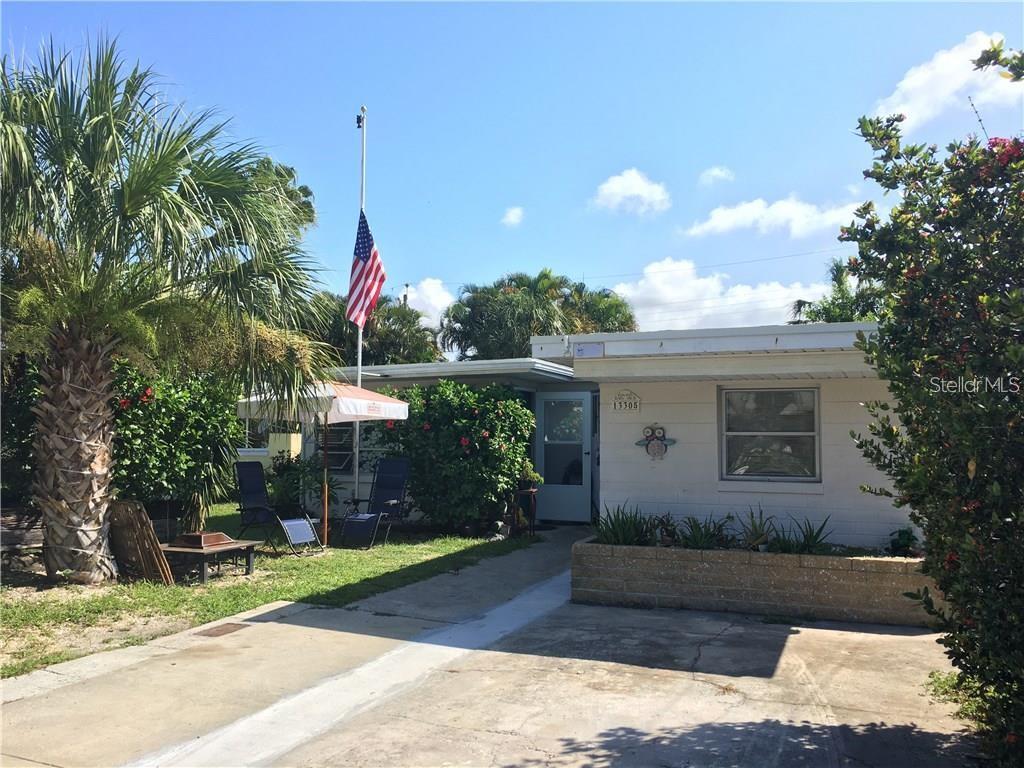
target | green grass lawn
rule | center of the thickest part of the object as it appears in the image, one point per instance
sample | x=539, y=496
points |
x=34, y=626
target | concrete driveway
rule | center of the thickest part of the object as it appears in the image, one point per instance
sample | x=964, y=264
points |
x=492, y=666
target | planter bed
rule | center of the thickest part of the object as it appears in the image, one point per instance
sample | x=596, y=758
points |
x=840, y=588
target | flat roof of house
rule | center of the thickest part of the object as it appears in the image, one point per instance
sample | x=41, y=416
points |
x=809, y=337
x=523, y=371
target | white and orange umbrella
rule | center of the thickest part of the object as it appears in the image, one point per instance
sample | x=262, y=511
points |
x=330, y=402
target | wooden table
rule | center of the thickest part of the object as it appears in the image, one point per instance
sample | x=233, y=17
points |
x=212, y=554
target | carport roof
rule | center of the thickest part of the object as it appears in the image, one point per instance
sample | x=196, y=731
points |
x=518, y=371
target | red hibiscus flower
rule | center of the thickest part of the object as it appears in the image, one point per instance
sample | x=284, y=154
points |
x=464, y=441
x=124, y=402
x=389, y=424
x=485, y=434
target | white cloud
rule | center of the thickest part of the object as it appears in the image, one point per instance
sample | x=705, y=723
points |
x=631, y=191
x=800, y=218
x=513, y=217
x=431, y=298
x=945, y=81
x=671, y=295
x=714, y=174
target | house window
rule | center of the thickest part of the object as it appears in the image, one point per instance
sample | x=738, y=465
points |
x=770, y=434
x=257, y=431
x=341, y=449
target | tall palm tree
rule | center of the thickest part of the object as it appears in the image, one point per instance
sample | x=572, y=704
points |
x=843, y=303
x=394, y=333
x=497, y=320
x=119, y=212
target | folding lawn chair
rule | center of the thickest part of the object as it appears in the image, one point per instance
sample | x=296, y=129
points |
x=386, y=504
x=257, y=512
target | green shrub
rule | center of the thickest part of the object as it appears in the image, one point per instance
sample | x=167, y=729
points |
x=950, y=346
x=802, y=538
x=756, y=530
x=666, y=529
x=903, y=542
x=626, y=526
x=468, y=448
x=813, y=540
x=175, y=439
x=705, y=534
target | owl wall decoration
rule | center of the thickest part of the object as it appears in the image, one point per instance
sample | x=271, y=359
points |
x=655, y=442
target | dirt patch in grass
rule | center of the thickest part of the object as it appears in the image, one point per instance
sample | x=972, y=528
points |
x=34, y=647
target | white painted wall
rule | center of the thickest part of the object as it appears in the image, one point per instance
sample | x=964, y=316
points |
x=686, y=481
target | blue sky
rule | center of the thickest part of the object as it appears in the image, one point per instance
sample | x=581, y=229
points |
x=596, y=120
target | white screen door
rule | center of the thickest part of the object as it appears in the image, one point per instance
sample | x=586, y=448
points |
x=563, y=455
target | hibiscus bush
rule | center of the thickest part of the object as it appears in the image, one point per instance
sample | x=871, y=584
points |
x=469, y=449
x=176, y=439
x=949, y=262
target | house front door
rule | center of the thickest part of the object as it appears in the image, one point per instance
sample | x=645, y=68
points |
x=563, y=448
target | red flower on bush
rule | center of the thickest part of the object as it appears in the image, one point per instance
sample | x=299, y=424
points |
x=485, y=434
x=390, y=424
x=124, y=402
x=972, y=506
x=426, y=426
x=1006, y=150
x=463, y=441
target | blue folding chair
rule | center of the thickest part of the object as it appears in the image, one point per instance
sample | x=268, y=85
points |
x=257, y=512
x=386, y=504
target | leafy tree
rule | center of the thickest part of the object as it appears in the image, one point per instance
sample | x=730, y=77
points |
x=119, y=213
x=950, y=344
x=469, y=449
x=394, y=333
x=843, y=304
x=497, y=320
x=1011, y=63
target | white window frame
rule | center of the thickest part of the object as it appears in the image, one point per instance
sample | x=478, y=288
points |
x=723, y=443
x=368, y=453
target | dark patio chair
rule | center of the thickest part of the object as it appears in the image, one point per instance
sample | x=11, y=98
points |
x=385, y=505
x=257, y=512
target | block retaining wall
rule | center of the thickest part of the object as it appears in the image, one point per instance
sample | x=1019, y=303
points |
x=860, y=589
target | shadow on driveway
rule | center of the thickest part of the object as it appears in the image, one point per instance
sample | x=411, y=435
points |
x=769, y=743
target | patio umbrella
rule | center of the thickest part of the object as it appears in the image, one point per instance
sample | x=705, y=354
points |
x=330, y=402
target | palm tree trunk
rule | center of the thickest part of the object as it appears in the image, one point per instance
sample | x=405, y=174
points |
x=74, y=439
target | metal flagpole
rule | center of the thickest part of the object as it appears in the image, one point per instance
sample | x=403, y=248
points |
x=361, y=123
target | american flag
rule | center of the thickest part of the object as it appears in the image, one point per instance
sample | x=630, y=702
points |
x=367, y=276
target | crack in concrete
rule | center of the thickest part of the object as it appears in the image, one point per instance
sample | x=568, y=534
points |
x=700, y=648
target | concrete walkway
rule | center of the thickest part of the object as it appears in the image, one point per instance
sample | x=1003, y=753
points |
x=492, y=666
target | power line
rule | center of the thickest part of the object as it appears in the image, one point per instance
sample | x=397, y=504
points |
x=695, y=267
